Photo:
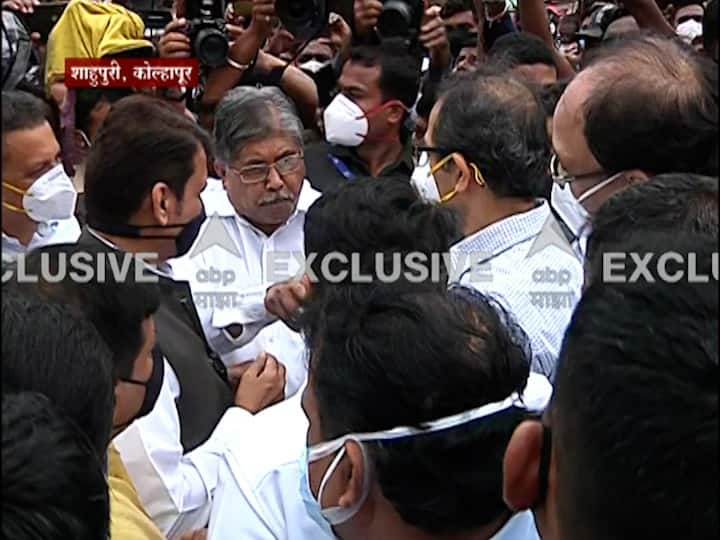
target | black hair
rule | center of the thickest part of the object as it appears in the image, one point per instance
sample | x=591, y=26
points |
x=53, y=486
x=453, y=7
x=142, y=141
x=377, y=219
x=670, y=204
x=710, y=28
x=22, y=110
x=654, y=107
x=634, y=415
x=86, y=99
x=498, y=123
x=550, y=95
x=520, y=49
x=52, y=349
x=116, y=305
x=398, y=356
x=399, y=70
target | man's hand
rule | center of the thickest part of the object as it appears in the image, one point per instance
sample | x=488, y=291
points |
x=285, y=299
x=174, y=43
x=21, y=6
x=262, y=17
x=340, y=33
x=262, y=384
x=433, y=37
x=367, y=13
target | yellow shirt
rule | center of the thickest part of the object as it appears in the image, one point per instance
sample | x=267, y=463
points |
x=89, y=29
x=128, y=520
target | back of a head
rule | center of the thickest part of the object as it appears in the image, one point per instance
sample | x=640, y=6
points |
x=51, y=349
x=374, y=218
x=498, y=123
x=519, y=49
x=399, y=69
x=671, y=204
x=116, y=304
x=142, y=141
x=634, y=416
x=653, y=107
x=53, y=486
x=403, y=356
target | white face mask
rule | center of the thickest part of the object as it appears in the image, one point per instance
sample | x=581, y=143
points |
x=51, y=197
x=535, y=398
x=312, y=66
x=423, y=181
x=689, y=30
x=345, y=122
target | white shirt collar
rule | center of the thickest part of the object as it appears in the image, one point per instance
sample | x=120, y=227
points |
x=501, y=234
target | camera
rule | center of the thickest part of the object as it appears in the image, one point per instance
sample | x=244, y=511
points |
x=304, y=19
x=400, y=18
x=207, y=32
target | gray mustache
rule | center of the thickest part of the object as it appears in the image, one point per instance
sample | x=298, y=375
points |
x=282, y=197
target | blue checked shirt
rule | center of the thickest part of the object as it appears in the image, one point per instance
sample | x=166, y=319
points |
x=526, y=264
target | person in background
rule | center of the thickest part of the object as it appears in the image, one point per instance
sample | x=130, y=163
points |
x=497, y=20
x=524, y=55
x=439, y=380
x=260, y=213
x=53, y=483
x=644, y=106
x=92, y=106
x=38, y=198
x=497, y=180
x=121, y=309
x=635, y=392
x=688, y=22
x=681, y=203
x=364, y=124
x=710, y=30
x=138, y=203
x=258, y=495
x=54, y=350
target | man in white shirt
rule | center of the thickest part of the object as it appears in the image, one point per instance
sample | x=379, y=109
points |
x=38, y=198
x=614, y=126
x=253, y=237
x=513, y=248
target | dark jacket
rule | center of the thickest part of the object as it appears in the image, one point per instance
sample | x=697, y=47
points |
x=205, y=391
x=323, y=171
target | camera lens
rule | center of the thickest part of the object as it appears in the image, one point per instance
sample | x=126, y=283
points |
x=396, y=19
x=211, y=47
x=302, y=18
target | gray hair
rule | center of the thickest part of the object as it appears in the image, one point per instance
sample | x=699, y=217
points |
x=248, y=113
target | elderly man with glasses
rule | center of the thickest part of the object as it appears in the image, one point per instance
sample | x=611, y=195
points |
x=253, y=236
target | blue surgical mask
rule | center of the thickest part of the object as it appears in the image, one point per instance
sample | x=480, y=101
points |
x=312, y=506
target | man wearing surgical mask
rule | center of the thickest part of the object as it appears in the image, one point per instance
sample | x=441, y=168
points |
x=38, y=198
x=364, y=124
x=496, y=178
x=616, y=125
x=122, y=311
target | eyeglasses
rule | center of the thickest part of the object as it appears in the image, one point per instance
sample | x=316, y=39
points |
x=421, y=154
x=254, y=174
x=562, y=177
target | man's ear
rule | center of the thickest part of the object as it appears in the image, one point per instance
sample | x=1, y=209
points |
x=396, y=113
x=635, y=176
x=160, y=205
x=521, y=466
x=220, y=168
x=466, y=173
x=355, y=477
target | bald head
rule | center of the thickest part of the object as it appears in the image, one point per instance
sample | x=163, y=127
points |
x=644, y=103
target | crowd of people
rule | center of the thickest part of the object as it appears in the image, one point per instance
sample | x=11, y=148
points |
x=458, y=282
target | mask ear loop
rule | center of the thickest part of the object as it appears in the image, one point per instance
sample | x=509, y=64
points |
x=479, y=179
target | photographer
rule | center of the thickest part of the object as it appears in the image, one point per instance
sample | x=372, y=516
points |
x=245, y=59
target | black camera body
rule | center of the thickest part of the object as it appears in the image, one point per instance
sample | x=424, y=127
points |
x=207, y=32
x=400, y=19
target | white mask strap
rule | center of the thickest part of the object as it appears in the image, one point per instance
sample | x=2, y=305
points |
x=593, y=190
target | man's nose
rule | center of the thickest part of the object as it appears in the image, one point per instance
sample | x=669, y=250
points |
x=274, y=181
